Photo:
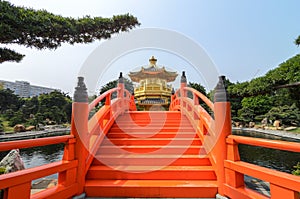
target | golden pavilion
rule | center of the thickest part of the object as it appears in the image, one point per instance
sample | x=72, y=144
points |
x=153, y=92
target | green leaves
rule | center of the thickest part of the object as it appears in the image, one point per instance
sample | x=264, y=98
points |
x=289, y=115
x=297, y=41
x=55, y=106
x=113, y=84
x=297, y=171
x=41, y=29
x=9, y=55
x=258, y=96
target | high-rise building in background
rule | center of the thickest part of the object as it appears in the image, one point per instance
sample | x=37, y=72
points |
x=24, y=89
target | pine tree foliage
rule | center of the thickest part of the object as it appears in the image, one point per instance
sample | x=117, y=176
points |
x=43, y=30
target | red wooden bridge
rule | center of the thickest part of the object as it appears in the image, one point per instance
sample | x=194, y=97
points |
x=185, y=152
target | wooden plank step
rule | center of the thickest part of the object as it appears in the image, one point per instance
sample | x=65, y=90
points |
x=151, y=173
x=154, y=130
x=152, y=118
x=127, y=124
x=151, y=188
x=151, y=141
x=151, y=135
x=149, y=114
x=174, y=149
x=150, y=160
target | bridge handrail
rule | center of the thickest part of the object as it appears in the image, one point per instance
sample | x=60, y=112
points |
x=282, y=185
x=18, y=184
x=201, y=120
x=101, y=97
x=201, y=96
x=104, y=118
x=272, y=144
x=22, y=144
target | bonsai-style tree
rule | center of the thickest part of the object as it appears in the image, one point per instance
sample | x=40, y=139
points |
x=41, y=29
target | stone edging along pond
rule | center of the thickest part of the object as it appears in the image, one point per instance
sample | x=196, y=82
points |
x=280, y=133
x=34, y=134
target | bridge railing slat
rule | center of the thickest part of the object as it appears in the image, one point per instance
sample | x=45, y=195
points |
x=282, y=185
x=18, y=184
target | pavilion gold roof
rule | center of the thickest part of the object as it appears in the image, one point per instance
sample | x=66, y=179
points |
x=153, y=71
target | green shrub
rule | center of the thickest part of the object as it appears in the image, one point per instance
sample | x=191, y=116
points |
x=1, y=126
x=289, y=115
x=297, y=171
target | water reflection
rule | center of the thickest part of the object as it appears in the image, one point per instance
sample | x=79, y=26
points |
x=38, y=156
x=270, y=158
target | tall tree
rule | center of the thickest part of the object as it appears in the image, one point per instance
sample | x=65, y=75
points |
x=8, y=100
x=55, y=106
x=297, y=41
x=41, y=29
x=113, y=84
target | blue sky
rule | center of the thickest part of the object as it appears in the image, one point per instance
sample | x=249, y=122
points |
x=244, y=39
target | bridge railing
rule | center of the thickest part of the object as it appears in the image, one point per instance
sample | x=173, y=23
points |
x=282, y=185
x=18, y=184
x=80, y=146
x=215, y=130
x=89, y=133
x=201, y=120
x=102, y=120
x=212, y=128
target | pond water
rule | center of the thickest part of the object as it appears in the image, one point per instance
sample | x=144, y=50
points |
x=270, y=158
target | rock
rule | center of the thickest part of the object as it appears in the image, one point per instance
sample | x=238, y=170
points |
x=258, y=127
x=19, y=128
x=237, y=124
x=290, y=128
x=279, y=128
x=53, y=183
x=40, y=127
x=41, y=184
x=276, y=123
x=12, y=161
x=30, y=128
x=251, y=124
x=254, y=180
x=50, y=122
x=47, y=127
x=265, y=121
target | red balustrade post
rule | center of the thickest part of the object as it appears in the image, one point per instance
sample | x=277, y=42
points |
x=79, y=128
x=222, y=114
x=132, y=106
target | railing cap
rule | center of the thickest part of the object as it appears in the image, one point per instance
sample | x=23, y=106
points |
x=80, y=94
x=183, y=77
x=221, y=94
x=121, y=78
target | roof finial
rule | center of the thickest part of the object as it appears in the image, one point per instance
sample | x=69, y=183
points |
x=152, y=61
